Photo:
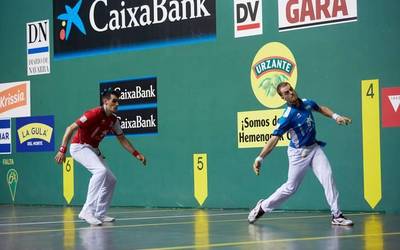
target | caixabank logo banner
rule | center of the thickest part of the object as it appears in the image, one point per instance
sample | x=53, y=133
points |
x=83, y=27
x=35, y=134
x=137, y=109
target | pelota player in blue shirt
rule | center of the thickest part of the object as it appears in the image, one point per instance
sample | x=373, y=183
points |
x=304, y=151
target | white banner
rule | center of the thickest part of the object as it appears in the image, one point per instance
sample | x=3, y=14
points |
x=248, y=17
x=15, y=99
x=301, y=14
x=38, y=48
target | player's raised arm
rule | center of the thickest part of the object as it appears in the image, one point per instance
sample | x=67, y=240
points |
x=341, y=120
x=269, y=146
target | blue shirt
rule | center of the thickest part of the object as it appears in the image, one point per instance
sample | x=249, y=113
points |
x=300, y=123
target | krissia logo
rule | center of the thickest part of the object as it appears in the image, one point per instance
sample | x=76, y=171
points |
x=93, y=26
x=15, y=99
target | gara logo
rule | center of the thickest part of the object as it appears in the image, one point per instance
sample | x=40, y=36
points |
x=300, y=14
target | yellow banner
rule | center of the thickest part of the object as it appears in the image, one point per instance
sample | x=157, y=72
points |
x=200, y=177
x=255, y=127
x=371, y=141
x=35, y=131
x=68, y=179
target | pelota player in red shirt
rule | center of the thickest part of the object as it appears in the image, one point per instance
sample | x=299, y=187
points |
x=92, y=126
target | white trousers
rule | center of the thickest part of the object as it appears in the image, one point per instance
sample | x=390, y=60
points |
x=299, y=161
x=102, y=182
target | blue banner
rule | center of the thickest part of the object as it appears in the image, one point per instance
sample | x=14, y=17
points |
x=5, y=136
x=35, y=134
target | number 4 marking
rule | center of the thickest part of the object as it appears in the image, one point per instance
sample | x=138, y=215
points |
x=370, y=91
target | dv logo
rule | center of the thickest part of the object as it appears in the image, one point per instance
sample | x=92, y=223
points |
x=248, y=17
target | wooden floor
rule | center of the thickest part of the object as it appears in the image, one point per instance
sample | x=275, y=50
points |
x=37, y=227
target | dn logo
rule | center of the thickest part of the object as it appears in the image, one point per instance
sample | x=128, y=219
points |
x=248, y=17
x=38, y=32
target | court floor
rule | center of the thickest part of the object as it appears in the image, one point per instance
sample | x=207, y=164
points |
x=39, y=227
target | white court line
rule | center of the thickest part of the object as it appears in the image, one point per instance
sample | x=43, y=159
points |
x=122, y=212
x=120, y=219
x=166, y=217
x=168, y=224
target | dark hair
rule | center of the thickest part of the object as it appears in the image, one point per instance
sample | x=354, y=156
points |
x=281, y=85
x=107, y=94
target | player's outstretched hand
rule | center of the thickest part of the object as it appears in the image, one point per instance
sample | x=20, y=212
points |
x=141, y=158
x=60, y=157
x=343, y=120
x=256, y=167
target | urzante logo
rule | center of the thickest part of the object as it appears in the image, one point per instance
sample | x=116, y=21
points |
x=271, y=64
x=274, y=63
x=133, y=23
x=248, y=17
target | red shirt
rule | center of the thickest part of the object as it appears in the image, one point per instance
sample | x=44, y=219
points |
x=93, y=125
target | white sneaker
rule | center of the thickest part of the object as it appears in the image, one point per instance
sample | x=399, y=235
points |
x=340, y=220
x=106, y=218
x=90, y=219
x=255, y=213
